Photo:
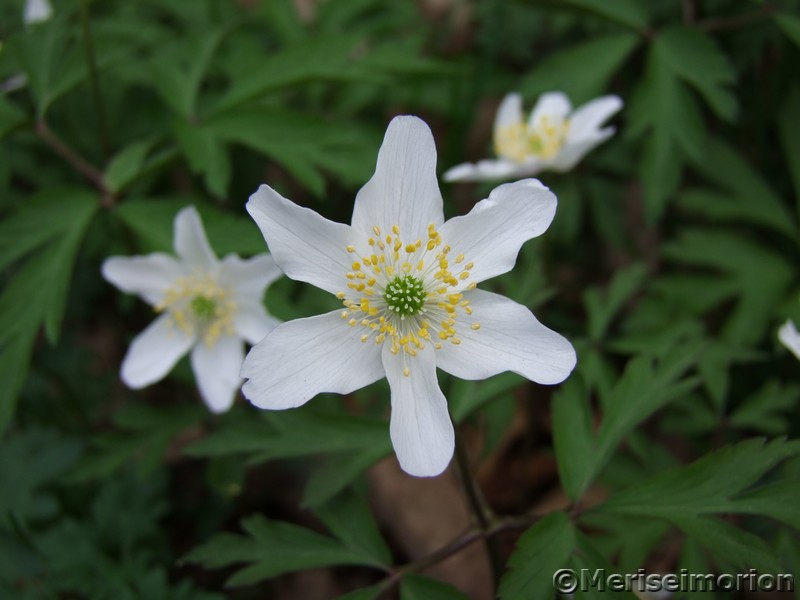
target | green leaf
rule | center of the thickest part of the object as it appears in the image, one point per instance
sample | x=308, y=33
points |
x=207, y=156
x=348, y=516
x=152, y=220
x=602, y=310
x=767, y=410
x=581, y=71
x=300, y=432
x=419, y=587
x=790, y=25
x=126, y=165
x=708, y=485
x=10, y=116
x=694, y=57
x=742, y=549
x=749, y=198
x=321, y=59
x=777, y=501
x=573, y=436
x=789, y=132
x=631, y=13
x=339, y=470
x=468, y=396
x=760, y=276
x=370, y=593
x=541, y=551
x=271, y=548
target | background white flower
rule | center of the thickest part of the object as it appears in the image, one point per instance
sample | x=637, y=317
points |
x=555, y=138
x=407, y=281
x=207, y=306
x=37, y=11
x=790, y=337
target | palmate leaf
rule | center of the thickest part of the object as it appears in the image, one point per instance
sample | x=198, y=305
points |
x=271, y=548
x=581, y=71
x=541, y=551
x=709, y=485
x=644, y=387
x=301, y=432
x=757, y=277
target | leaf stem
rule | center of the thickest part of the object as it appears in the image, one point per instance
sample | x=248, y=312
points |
x=93, y=78
x=76, y=161
x=478, y=505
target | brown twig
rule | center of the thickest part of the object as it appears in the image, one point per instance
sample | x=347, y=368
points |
x=728, y=23
x=76, y=161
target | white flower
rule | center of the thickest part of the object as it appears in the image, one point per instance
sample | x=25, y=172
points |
x=555, y=138
x=790, y=337
x=37, y=11
x=408, y=284
x=207, y=306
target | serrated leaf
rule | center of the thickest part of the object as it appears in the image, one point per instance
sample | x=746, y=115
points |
x=126, y=165
x=300, y=432
x=10, y=116
x=152, y=220
x=581, y=71
x=468, y=396
x=541, y=551
x=767, y=410
x=602, y=310
x=694, y=57
x=419, y=587
x=271, y=548
x=777, y=501
x=790, y=25
x=706, y=486
x=742, y=549
x=348, y=516
x=631, y=13
x=573, y=436
x=339, y=471
x=761, y=276
x=789, y=132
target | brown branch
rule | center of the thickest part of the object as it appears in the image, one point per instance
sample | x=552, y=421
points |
x=76, y=161
x=743, y=20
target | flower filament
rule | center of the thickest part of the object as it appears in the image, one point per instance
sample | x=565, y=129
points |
x=407, y=294
x=199, y=306
x=543, y=139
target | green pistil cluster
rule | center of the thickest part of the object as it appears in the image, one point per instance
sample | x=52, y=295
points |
x=405, y=295
x=203, y=307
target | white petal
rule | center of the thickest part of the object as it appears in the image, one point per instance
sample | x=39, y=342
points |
x=252, y=322
x=573, y=152
x=216, y=369
x=554, y=105
x=404, y=190
x=587, y=119
x=305, y=357
x=305, y=245
x=790, y=337
x=488, y=169
x=37, y=11
x=491, y=234
x=248, y=278
x=509, y=339
x=421, y=429
x=509, y=112
x=154, y=352
x=149, y=277
x=190, y=240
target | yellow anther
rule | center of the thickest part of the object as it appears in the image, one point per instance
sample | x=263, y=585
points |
x=464, y=275
x=396, y=229
x=352, y=322
x=423, y=333
x=356, y=266
x=460, y=258
x=455, y=341
x=475, y=326
x=364, y=338
x=411, y=248
x=351, y=249
x=468, y=266
x=406, y=371
x=420, y=265
x=376, y=230
x=341, y=295
x=472, y=286
x=431, y=245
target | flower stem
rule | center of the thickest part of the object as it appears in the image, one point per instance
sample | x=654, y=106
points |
x=93, y=78
x=483, y=514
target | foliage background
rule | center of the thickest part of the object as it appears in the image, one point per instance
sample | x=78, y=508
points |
x=673, y=259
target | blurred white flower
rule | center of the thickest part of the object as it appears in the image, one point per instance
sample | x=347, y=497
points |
x=207, y=306
x=555, y=138
x=408, y=284
x=790, y=337
x=37, y=11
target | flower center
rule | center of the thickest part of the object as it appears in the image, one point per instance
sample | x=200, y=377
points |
x=543, y=139
x=407, y=294
x=199, y=306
